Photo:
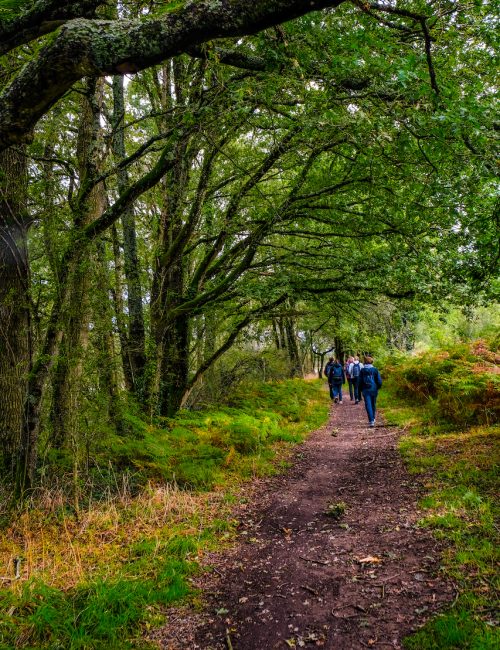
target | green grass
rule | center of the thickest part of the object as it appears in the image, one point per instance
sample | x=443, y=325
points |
x=458, y=464
x=134, y=557
x=200, y=449
x=104, y=612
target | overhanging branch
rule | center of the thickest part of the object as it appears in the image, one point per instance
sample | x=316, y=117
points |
x=99, y=48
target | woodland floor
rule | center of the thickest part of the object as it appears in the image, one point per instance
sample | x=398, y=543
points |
x=300, y=578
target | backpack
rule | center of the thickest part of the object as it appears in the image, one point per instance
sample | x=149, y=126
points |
x=335, y=373
x=355, y=370
x=368, y=379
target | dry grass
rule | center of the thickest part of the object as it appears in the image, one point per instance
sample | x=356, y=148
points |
x=63, y=550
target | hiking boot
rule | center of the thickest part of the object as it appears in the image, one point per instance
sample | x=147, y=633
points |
x=336, y=400
x=372, y=423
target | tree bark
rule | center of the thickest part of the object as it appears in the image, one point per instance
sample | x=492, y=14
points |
x=68, y=370
x=292, y=348
x=339, y=349
x=88, y=48
x=135, y=346
x=15, y=324
x=174, y=366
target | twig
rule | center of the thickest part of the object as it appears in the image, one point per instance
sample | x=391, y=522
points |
x=228, y=640
x=306, y=559
x=396, y=575
x=310, y=589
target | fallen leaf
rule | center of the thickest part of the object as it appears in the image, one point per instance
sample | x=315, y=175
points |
x=243, y=599
x=369, y=559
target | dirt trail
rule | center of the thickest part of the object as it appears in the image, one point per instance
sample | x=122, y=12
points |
x=301, y=578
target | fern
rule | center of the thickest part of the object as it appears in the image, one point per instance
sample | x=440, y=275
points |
x=12, y=8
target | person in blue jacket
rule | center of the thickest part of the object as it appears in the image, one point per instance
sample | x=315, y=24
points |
x=370, y=382
x=336, y=378
x=327, y=375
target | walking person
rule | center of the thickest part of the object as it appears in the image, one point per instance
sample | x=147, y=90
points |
x=327, y=375
x=336, y=378
x=347, y=370
x=370, y=382
x=354, y=370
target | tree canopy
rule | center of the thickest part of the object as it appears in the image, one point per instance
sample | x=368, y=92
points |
x=179, y=177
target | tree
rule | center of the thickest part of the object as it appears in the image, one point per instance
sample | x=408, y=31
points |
x=15, y=315
x=300, y=179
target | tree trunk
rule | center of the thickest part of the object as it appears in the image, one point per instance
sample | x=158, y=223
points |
x=293, y=349
x=276, y=334
x=68, y=370
x=174, y=366
x=321, y=365
x=105, y=340
x=15, y=325
x=339, y=349
x=135, y=348
x=117, y=290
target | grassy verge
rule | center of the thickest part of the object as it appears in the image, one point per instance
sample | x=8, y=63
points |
x=100, y=577
x=458, y=465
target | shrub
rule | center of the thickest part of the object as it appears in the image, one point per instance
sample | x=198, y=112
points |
x=460, y=384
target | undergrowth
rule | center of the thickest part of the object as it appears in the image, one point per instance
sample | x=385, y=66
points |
x=153, y=502
x=448, y=403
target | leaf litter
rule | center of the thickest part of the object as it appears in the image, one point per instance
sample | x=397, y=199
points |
x=362, y=577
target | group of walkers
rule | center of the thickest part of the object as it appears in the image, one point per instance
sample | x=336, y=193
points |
x=364, y=382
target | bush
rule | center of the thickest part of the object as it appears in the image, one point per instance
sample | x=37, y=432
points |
x=461, y=384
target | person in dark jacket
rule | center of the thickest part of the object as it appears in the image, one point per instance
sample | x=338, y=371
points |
x=336, y=378
x=347, y=367
x=354, y=370
x=327, y=374
x=370, y=382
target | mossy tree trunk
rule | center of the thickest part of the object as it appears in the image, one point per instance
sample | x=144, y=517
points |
x=66, y=391
x=85, y=48
x=15, y=324
x=133, y=338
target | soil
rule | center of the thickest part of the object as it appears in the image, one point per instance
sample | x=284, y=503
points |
x=328, y=555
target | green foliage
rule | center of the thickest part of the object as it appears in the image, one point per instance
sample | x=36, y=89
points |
x=196, y=449
x=440, y=329
x=103, y=613
x=460, y=384
x=457, y=630
x=336, y=510
x=11, y=8
x=460, y=466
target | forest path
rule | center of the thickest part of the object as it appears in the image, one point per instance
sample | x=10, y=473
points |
x=301, y=578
